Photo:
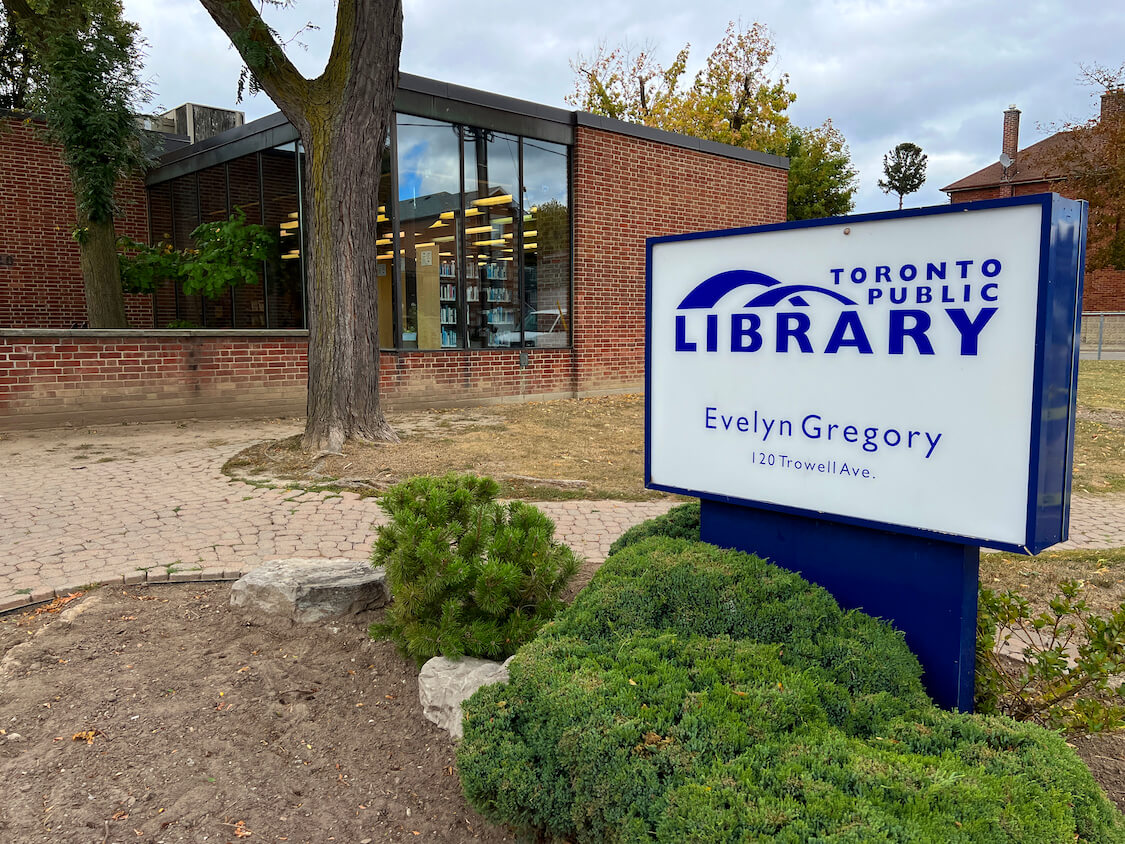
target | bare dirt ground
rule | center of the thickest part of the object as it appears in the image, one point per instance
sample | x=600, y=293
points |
x=159, y=714
x=578, y=448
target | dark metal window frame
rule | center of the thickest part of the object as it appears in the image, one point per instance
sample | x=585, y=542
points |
x=416, y=97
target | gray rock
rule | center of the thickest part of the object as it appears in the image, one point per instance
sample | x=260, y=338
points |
x=14, y=737
x=308, y=590
x=444, y=684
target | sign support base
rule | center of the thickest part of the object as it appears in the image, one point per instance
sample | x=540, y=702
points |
x=925, y=587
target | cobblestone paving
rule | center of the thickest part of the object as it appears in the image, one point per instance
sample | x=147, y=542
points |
x=149, y=502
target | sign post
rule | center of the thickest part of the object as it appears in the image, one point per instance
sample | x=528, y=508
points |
x=870, y=399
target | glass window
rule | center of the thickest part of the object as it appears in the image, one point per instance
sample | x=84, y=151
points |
x=491, y=198
x=217, y=312
x=546, y=245
x=429, y=204
x=242, y=181
x=281, y=215
x=384, y=268
x=185, y=219
x=160, y=232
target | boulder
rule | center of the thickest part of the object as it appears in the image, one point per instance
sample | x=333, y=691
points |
x=308, y=590
x=444, y=684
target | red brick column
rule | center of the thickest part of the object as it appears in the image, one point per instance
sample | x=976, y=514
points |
x=627, y=189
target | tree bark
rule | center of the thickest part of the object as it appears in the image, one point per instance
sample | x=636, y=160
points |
x=101, y=275
x=342, y=117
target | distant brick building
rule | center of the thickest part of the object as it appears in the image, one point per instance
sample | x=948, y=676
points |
x=511, y=260
x=1037, y=169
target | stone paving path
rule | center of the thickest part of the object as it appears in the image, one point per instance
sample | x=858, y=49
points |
x=149, y=502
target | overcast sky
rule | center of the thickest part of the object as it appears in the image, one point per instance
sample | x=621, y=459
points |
x=936, y=72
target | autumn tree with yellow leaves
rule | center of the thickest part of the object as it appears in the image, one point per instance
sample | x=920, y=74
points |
x=736, y=98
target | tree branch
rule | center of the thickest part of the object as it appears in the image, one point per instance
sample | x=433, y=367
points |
x=277, y=75
x=339, y=58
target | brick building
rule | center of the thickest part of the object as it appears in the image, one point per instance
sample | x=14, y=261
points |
x=511, y=261
x=1037, y=169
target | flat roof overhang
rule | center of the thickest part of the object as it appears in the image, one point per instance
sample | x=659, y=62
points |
x=438, y=100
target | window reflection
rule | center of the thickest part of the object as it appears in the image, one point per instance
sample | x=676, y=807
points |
x=429, y=201
x=242, y=182
x=473, y=238
x=546, y=245
x=265, y=187
x=491, y=191
x=384, y=268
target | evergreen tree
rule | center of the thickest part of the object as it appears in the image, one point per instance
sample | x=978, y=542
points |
x=822, y=180
x=905, y=169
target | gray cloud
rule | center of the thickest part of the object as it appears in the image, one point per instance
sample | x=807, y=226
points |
x=936, y=72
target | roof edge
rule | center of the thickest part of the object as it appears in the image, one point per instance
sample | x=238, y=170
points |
x=662, y=136
x=555, y=119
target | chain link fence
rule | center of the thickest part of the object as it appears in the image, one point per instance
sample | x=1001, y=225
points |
x=1103, y=335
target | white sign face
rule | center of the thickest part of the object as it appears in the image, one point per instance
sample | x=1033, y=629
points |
x=879, y=370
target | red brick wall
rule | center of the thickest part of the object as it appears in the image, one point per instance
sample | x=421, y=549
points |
x=40, y=277
x=1000, y=192
x=94, y=377
x=1104, y=290
x=415, y=379
x=627, y=189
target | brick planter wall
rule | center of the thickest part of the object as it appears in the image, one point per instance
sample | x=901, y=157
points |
x=40, y=277
x=97, y=377
x=50, y=378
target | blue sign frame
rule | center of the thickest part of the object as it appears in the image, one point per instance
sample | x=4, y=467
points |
x=1057, y=333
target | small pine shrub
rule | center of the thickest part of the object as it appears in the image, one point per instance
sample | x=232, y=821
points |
x=469, y=576
x=681, y=522
x=694, y=694
x=1071, y=658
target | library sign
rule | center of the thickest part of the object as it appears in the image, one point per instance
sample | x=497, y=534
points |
x=911, y=371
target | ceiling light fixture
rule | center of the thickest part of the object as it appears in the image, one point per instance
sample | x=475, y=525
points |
x=494, y=200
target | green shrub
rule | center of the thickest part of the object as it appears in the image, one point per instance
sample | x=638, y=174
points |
x=696, y=694
x=1071, y=657
x=1074, y=694
x=469, y=576
x=681, y=522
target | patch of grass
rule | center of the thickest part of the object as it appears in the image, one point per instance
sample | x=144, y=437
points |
x=1038, y=578
x=599, y=441
x=1099, y=457
x=23, y=591
x=1101, y=384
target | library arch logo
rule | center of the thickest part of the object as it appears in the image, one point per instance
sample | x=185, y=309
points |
x=707, y=294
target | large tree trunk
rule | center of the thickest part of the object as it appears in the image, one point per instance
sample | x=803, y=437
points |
x=101, y=274
x=341, y=211
x=344, y=144
x=342, y=117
